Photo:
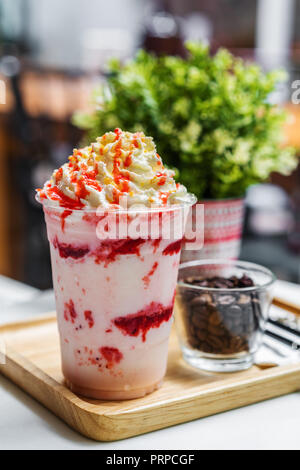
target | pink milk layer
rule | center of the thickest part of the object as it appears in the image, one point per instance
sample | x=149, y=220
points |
x=114, y=302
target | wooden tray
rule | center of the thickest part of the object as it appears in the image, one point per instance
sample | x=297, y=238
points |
x=33, y=363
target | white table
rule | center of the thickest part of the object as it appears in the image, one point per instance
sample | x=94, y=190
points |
x=25, y=424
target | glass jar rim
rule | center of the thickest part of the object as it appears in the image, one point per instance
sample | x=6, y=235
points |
x=234, y=263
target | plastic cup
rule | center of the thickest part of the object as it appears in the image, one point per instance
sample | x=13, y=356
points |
x=114, y=297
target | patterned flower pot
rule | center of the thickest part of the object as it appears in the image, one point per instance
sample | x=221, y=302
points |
x=223, y=225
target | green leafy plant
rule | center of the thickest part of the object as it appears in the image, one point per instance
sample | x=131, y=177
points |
x=209, y=115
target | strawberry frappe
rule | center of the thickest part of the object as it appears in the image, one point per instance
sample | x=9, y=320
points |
x=115, y=220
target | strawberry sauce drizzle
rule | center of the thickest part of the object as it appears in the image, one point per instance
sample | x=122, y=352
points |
x=173, y=248
x=141, y=322
x=89, y=318
x=128, y=160
x=156, y=242
x=121, y=179
x=147, y=278
x=63, y=217
x=70, y=251
x=109, y=250
x=93, y=218
x=111, y=355
x=69, y=311
x=56, y=194
x=162, y=178
x=83, y=169
x=164, y=196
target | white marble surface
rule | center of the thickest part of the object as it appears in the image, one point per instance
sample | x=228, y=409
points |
x=25, y=424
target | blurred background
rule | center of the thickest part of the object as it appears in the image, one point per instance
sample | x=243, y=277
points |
x=54, y=53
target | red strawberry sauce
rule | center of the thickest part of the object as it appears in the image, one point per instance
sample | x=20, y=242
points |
x=89, y=318
x=70, y=251
x=109, y=250
x=173, y=248
x=63, y=217
x=147, y=278
x=69, y=311
x=111, y=355
x=64, y=201
x=141, y=322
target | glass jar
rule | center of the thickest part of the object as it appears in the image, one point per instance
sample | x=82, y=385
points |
x=221, y=328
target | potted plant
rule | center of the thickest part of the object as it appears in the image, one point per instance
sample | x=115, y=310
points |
x=212, y=121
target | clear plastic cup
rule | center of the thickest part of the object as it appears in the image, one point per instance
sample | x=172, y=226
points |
x=114, y=298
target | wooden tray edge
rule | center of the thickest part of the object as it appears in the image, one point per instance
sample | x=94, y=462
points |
x=29, y=322
x=111, y=427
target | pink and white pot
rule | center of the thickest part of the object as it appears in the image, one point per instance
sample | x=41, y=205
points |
x=222, y=227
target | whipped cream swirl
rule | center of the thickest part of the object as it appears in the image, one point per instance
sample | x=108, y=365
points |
x=119, y=164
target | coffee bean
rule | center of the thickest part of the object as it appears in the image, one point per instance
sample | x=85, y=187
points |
x=188, y=295
x=206, y=347
x=220, y=285
x=245, y=281
x=228, y=351
x=198, y=322
x=193, y=342
x=215, y=330
x=201, y=300
x=191, y=328
x=201, y=282
x=202, y=334
x=234, y=280
x=215, y=342
x=230, y=283
x=206, y=299
x=215, y=318
x=236, y=343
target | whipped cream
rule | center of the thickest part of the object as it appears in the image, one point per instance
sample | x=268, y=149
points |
x=119, y=164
